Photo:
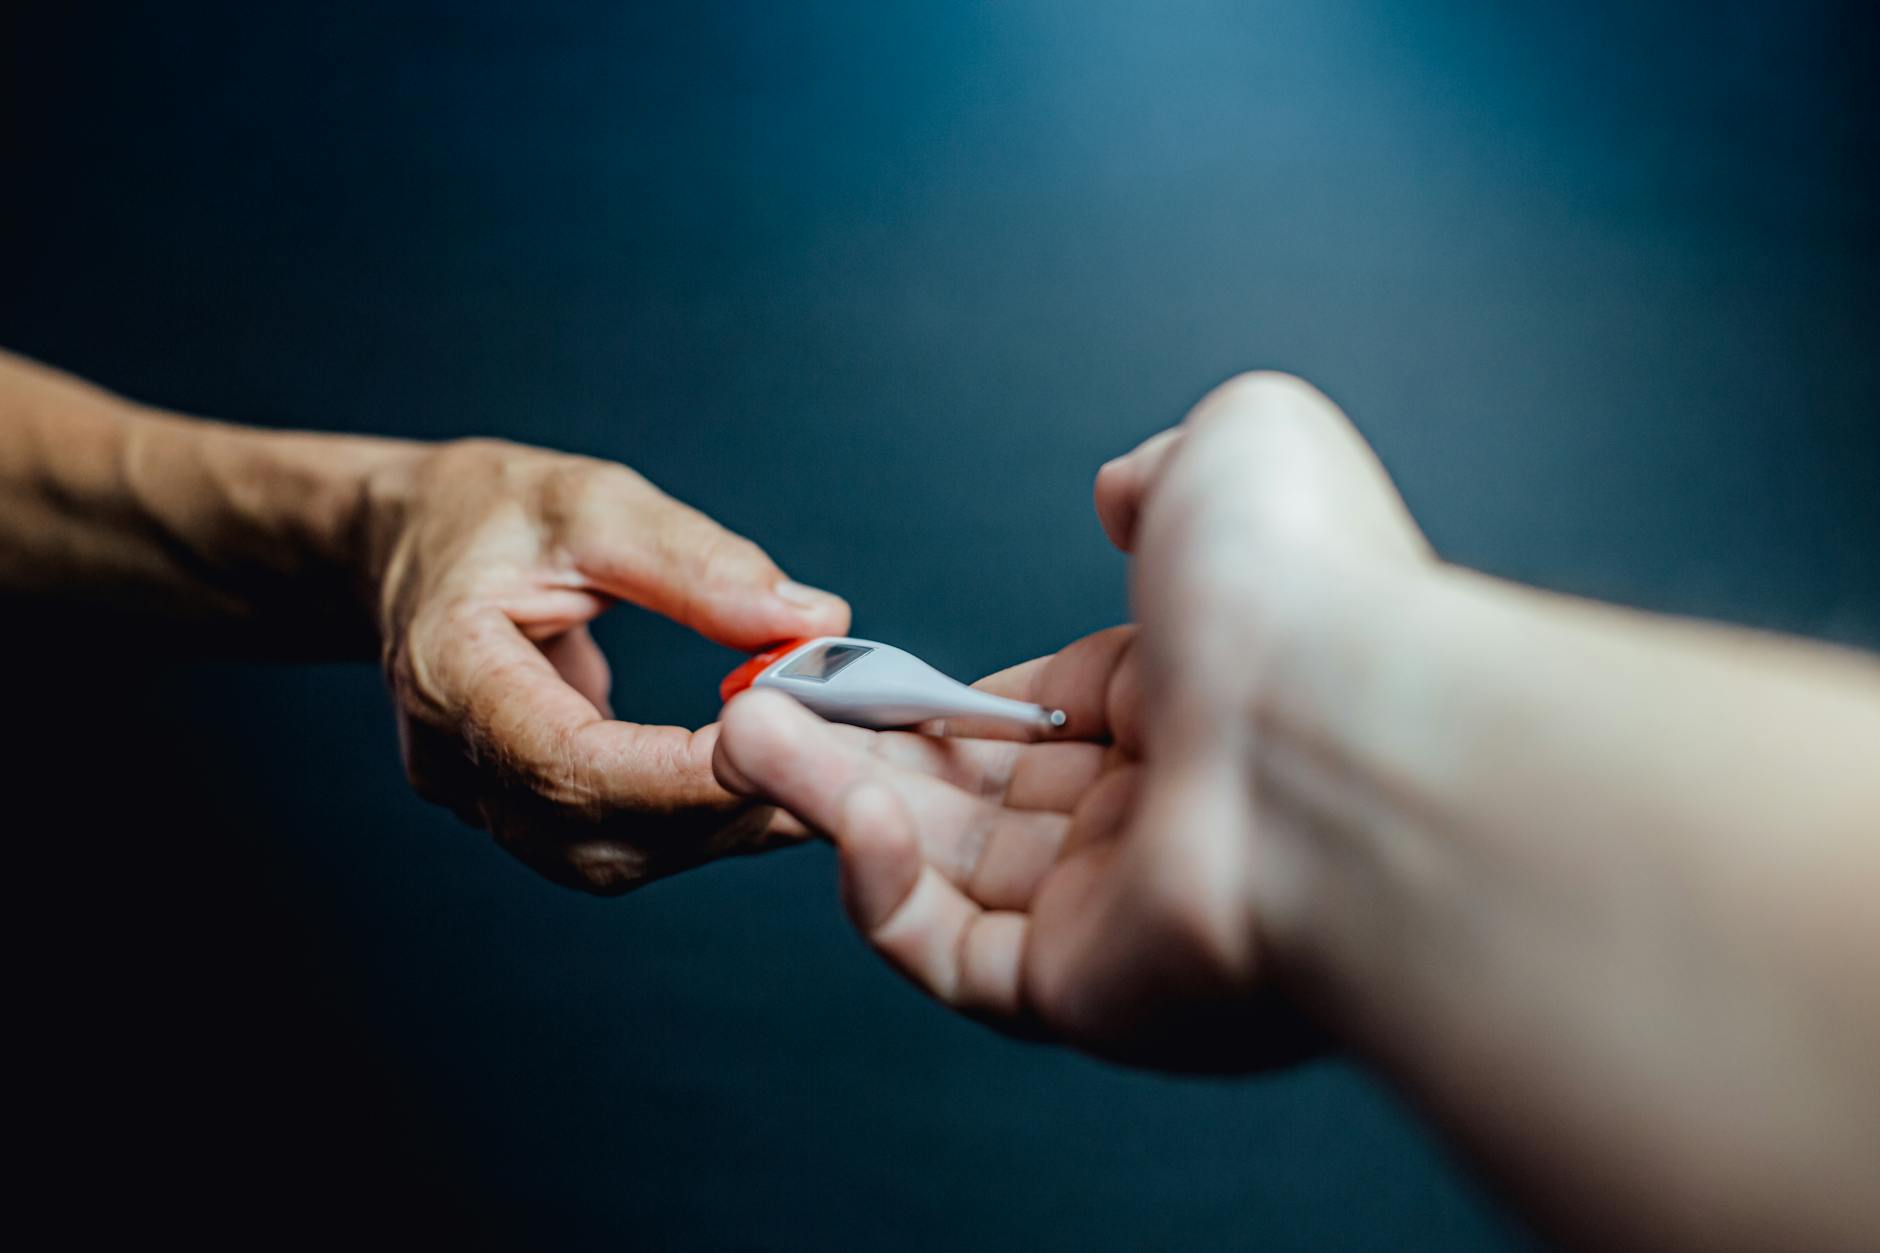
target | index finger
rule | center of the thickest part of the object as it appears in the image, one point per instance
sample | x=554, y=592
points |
x=1122, y=484
x=1080, y=678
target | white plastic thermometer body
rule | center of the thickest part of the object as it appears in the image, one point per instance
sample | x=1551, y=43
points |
x=869, y=684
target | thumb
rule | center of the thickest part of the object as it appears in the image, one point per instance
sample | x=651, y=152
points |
x=637, y=543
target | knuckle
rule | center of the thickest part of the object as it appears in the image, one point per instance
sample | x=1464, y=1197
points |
x=605, y=869
x=1265, y=385
x=722, y=557
x=543, y=776
x=1270, y=395
x=556, y=777
x=573, y=483
x=473, y=461
x=611, y=479
x=581, y=487
x=481, y=448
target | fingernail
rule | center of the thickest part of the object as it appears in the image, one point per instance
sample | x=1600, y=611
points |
x=806, y=596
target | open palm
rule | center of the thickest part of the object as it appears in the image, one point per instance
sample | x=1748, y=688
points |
x=1004, y=878
x=1123, y=885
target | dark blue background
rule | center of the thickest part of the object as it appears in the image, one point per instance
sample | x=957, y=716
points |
x=881, y=286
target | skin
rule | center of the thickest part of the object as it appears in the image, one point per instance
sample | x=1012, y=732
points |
x=1593, y=888
x=471, y=569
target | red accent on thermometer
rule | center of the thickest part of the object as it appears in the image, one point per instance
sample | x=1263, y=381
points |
x=747, y=673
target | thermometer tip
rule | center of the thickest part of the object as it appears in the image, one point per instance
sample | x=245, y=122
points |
x=1056, y=718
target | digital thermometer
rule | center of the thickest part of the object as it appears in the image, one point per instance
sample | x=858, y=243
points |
x=875, y=685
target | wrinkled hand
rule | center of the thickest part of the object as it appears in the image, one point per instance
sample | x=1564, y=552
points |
x=487, y=562
x=1107, y=888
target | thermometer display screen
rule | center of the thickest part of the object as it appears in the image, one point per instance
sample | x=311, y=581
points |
x=819, y=664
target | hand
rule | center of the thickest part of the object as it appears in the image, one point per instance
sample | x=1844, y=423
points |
x=1102, y=888
x=487, y=562
x=993, y=873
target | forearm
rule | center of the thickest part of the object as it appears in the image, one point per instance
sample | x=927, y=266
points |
x=1596, y=888
x=185, y=522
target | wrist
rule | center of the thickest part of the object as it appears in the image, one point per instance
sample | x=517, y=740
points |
x=1401, y=739
x=1353, y=736
x=1525, y=863
x=275, y=523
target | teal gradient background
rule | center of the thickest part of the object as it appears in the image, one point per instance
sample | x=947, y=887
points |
x=881, y=286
